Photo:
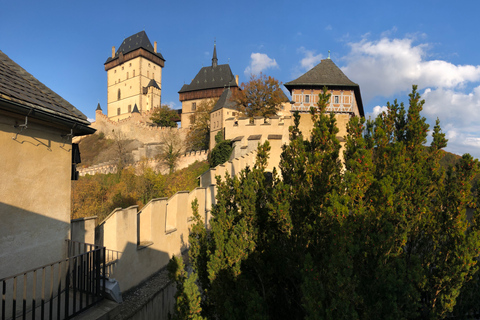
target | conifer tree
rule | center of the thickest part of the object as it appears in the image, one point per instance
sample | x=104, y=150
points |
x=384, y=235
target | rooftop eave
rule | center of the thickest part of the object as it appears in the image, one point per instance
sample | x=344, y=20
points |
x=79, y=126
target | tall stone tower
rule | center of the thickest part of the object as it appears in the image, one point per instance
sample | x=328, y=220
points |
x=134, y=75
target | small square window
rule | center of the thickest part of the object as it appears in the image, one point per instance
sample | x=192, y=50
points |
x=335, y=99
x=129, y=108
x=307, y=98
x=118, y=111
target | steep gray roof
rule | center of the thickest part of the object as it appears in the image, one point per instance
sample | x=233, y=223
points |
x=225, y=101
x=138, y=40
x=153, y=83
x=326, y=73
x=20, y=90
x=211, y=77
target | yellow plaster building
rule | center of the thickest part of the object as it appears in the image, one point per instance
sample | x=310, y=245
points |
x=36, y=130
x=134, y=77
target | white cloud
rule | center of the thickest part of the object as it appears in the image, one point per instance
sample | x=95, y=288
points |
x=259, y=62
x=388, y=68
x=90, y=120
x=310, y=60
x=376, y=111
x=171, y=104
x=328, y=28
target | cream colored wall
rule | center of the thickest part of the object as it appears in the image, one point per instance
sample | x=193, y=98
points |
x=147, y=239
x=131, y=87
x=34, y=195
x=187, y=110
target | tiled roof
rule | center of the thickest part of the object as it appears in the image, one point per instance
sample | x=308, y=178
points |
x=326, y=73
x=211, y=77
x=19, y=86
x=225, y=101
x=138, y=40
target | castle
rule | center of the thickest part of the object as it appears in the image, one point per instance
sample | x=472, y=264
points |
x=134, y=90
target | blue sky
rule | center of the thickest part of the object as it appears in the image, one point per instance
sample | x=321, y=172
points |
x=384, y=46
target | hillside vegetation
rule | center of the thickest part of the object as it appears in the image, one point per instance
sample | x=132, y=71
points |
x=100, y=194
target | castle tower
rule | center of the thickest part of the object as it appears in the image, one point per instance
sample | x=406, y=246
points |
x=134, y=75
x=345, y=94
x=210, y=82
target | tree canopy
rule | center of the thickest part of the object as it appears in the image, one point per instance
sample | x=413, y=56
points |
x=261, y=96
x=383, y=236
x=164, y=116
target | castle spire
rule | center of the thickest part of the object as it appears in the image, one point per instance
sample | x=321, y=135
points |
x=214, y=59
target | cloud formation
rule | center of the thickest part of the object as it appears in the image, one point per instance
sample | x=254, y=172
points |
x=258, y=63
x=388, y=68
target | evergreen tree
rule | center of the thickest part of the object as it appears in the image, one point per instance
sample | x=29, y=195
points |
x=383, y=236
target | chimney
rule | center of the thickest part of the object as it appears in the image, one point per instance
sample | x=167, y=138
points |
x=236, y=79
x=113, y=52
x=155, y=47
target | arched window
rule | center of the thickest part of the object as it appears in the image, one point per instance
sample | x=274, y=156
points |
x=119, y=95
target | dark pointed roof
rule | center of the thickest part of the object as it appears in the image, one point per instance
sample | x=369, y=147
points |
x=20, y=91
x=214, y=59
x=326, y=73
x=137, y=41
x=135, y=109
x=211, y=77
x=98, y=107
x=154, y=84
x=225, y=101
x=215, y=76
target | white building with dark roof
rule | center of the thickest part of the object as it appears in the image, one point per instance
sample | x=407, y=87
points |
x=134, y=74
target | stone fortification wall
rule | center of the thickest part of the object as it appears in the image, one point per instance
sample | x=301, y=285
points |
x=111, y=167
x=137, y=126
x=247, y=135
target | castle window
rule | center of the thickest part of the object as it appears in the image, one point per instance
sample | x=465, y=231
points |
x=153, y=67
x=118, y=111
x=127, y=75
x=115, y=71
x=307, y=98
x=194, y=106
x=130, y=65
x=335, y=99
x=119, y=94
x=129, y=108
x=133, y=72
x=122, y=68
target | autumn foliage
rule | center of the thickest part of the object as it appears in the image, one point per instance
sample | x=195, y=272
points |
x=262, y=96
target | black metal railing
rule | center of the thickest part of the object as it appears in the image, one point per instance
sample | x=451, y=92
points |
x=59, y=290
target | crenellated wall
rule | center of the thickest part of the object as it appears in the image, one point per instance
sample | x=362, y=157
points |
x=111, y=167
x=137, y=126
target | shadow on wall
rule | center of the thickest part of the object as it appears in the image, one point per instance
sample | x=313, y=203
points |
x=29, y=239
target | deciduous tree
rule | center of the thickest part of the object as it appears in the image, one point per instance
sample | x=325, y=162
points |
x=198, y=136
x=164, y=116
x=261, y=96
